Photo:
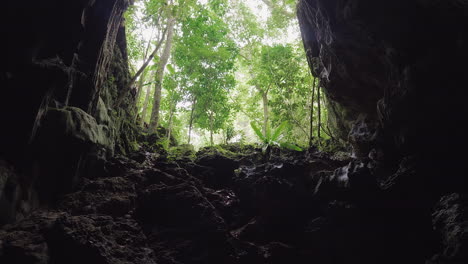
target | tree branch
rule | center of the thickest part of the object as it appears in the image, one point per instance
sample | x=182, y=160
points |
x=140, y=71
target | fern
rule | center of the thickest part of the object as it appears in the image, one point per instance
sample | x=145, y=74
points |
x=291, y=146
x=278, y=132
x=274, y=138
x=258, y=132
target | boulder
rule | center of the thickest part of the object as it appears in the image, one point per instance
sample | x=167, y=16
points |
x=111, y=196
x=73, y=125
x=17, y=195
x=214, y=168
x=60, y=238
x=450, y=220
x=179, y=205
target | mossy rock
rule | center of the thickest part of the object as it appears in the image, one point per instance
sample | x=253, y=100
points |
x=102, y=116
x=157, y=138
x=215, y=150
x=182, y=151
x=72, y=124
x=239, y=148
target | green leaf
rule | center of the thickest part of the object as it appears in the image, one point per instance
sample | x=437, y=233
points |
x=291, y=146
x=278, y=131
x=268, y=134
x=170, y=68
x=258, y=131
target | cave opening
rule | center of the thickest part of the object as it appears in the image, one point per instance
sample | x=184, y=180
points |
x=229, y=131
x=222, y=72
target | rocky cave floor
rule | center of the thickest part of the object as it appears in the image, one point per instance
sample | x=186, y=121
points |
x=233, y=207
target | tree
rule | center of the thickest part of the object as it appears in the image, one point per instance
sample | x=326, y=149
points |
x=176, y=10
x=319, y=126
x=276, y=71
x=140, y=47
x=205, y=56
x=146, y=102
x=311, y=107
x=229, y=67
x=160, y=75
x=173, y=97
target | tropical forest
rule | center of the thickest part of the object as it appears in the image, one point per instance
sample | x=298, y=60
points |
x=217, y=72
x=233, y=132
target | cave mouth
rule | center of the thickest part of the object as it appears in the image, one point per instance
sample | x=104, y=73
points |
x=228, y=131
x=224, y=72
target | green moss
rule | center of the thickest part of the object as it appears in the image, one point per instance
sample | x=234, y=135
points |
x=182, y=151
x=232, y=151
x=79, y=125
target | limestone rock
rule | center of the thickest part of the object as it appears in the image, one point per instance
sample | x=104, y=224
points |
x=76, y=124
x=450, y=219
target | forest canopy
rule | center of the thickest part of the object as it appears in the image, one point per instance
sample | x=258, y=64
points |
x=211, y=72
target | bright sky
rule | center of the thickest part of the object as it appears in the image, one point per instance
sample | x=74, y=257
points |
x=261, y=11
x=258, y=8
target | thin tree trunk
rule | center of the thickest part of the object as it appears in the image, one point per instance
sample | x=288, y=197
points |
x=160, y=75
x=311, y=132
x=143, y=74
x=191, y=120
x=211, y=128
x=169, y=126
x=329, y=132
x=140, y=71
x=319, y=111
x=265, y=113
x=145, y=106
x=140, y=87
x=294, y=120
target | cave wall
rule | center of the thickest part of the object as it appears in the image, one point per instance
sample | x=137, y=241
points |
x=63, y=65
x=395, y=75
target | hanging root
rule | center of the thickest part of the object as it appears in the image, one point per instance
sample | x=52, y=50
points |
x=107, y=51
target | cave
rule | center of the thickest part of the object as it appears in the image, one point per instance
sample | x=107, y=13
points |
x=80, y=183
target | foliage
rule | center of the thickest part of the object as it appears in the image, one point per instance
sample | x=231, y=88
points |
x=204, y=39
x=230, y=133
x=273, y=138
x=231, y=67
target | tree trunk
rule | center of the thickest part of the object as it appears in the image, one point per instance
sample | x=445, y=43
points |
x=140, y=87
x=140, y=71
x=265, y=113
x=311, y=131
x=319, y=126
x=144, y=67
x=145, y=106
x=211, y=128
x=191, y=121
x=169, y=125
x=160, y=75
